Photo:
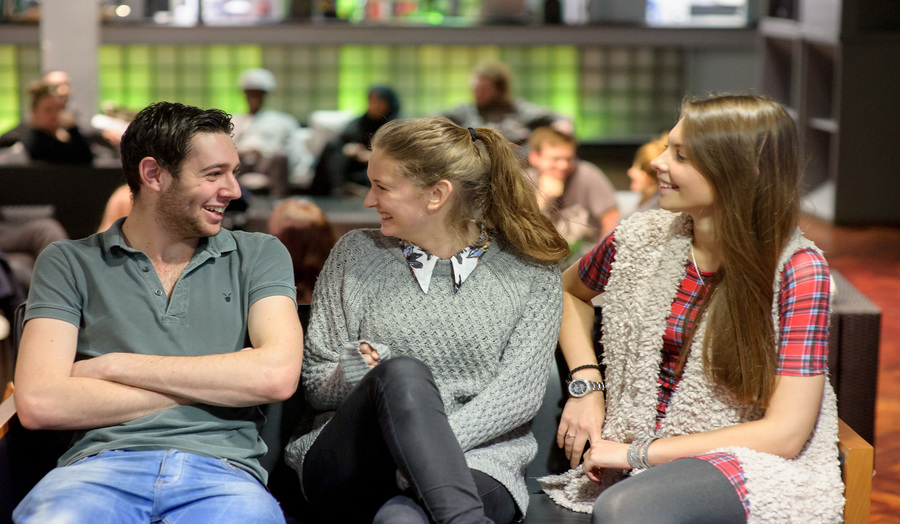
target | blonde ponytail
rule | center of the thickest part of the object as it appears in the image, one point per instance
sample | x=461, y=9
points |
x=511, y=204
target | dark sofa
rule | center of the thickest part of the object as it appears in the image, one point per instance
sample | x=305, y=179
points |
x=77, y=194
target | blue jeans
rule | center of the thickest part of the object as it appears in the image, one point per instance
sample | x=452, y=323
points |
x=149, y=486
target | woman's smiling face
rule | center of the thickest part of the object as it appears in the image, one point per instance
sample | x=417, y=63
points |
x=681, y=186
x=400, y=205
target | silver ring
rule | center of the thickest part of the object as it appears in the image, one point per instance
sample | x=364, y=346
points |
x=569, y=435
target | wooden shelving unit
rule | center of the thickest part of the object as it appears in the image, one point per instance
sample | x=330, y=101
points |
x=834, y=66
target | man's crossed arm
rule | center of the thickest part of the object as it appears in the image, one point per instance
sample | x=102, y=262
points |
x=55, y=392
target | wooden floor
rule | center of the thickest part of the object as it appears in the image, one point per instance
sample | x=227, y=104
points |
x=870, y=258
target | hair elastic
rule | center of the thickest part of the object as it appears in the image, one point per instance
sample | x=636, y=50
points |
x=474, y=135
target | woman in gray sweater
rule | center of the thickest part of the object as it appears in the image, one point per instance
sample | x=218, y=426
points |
x=430, y=341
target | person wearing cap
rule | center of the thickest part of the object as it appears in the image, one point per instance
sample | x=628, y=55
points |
x=266, y=139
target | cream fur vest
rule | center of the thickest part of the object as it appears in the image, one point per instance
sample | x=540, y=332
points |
x=652, y=250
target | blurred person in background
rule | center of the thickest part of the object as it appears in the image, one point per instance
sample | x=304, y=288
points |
x=52, y=137
x=495, y=106
x=575, y=194
x=267, y=139
x=308, y=236
x=346, y=158
x=644, y=181
x=105, y=130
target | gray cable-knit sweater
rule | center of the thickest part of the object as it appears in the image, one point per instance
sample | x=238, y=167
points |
x=489, y=345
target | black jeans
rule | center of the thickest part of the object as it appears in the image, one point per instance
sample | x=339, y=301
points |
x=394, y=421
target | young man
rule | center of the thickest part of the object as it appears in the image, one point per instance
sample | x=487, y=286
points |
x=575, y=194
x=163, y=302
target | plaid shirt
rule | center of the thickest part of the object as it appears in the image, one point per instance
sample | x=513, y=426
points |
x=803, y=334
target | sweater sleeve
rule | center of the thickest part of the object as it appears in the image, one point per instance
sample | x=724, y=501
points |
x=516, y=393
x=332, y=363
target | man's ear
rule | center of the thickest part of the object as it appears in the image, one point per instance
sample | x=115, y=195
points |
x=439, y=194
x=533, y=157
x=153, y=176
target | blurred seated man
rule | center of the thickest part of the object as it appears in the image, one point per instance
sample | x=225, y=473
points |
x=494, y=106
x=48, y=138
x=575, y=194
x=164, y=304
x=59, y=85
x=267, y=139
x=104, y=130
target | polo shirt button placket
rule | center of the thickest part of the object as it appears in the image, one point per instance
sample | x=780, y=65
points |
x=158, y=292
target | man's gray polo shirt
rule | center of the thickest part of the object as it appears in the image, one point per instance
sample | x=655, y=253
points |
x=114, y=296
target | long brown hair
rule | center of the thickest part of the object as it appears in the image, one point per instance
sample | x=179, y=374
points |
x=488, y=178
x=746, y=147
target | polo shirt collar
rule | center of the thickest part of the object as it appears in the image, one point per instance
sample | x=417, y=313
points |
x=215, y=246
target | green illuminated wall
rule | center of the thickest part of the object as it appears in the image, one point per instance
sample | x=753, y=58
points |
x=9, y=87
x=201, y=75
x=18, y=66
x=608, y=91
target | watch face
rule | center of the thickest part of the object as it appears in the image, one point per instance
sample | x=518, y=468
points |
x=578, y=388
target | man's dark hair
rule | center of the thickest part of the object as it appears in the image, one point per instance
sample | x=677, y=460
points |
x=164, y=131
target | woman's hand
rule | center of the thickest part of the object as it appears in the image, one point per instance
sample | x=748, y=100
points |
x=369, y=354
x=602, y=455
x=581, y=421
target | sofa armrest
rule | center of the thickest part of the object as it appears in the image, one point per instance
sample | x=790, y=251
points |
x=857, y=459
x=7, y=409
x=854, y=337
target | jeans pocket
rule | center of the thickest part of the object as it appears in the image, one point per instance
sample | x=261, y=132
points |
x=237, y=470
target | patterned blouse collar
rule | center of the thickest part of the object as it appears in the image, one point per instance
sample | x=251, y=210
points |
x=463, y=263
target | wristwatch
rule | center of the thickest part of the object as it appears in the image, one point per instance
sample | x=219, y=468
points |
x=580, y=387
